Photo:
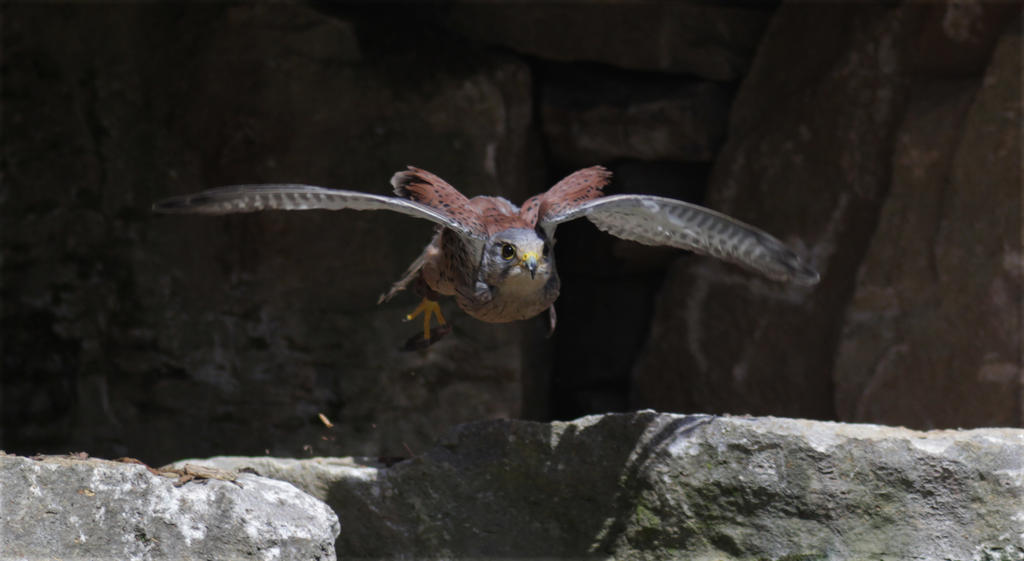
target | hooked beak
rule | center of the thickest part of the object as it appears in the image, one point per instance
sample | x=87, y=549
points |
x=530, y=262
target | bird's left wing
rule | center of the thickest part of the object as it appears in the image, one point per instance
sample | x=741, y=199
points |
x=652, y=220
x=252, y=198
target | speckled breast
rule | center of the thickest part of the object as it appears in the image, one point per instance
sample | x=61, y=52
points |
x=512, y=305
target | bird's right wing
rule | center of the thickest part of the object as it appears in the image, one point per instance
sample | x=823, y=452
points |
x=252, y=198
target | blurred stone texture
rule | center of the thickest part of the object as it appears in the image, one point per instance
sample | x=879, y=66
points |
x=881, y=140
x=890, y=155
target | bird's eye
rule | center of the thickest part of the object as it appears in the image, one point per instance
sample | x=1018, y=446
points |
x=508, y=252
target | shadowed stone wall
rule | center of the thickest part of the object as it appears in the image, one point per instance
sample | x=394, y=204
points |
x=125, y=333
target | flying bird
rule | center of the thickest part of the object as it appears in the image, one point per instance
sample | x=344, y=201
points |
x=497, y=259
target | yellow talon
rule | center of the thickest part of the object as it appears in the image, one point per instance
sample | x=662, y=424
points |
x=428, y=308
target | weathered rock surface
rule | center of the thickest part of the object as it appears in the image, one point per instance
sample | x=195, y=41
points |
x=657, y=486
x=813, y=150
x=937, y=308
x=604, y=117
x=709, y=40
x=165, y=337
x=120, y=324
x=69, y=508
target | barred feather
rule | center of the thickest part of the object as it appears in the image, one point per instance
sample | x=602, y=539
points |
x=252, y=198
x=573, y=190
x=423, y=187
x=654, y=220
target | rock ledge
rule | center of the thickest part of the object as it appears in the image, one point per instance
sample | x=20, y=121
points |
x=649, y=485
x=58, y=507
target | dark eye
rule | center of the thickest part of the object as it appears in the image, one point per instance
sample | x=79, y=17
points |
x=508, y=252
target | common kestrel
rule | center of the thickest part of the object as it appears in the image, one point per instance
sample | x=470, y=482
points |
x=495, y=258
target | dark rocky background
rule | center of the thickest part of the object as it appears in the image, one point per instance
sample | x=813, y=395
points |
x=880, y=139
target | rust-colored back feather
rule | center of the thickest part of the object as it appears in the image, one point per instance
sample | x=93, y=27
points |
x=498, y=214
x=428, y=189
x=577, y=188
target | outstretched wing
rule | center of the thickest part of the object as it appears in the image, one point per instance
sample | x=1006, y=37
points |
x=654, y=220
x=252, y=198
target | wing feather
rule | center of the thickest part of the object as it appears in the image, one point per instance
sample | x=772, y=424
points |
x=654, y=220
x=573, y=190
x=421, y=186
x=252, y=198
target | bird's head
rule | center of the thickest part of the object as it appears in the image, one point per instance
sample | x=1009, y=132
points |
x=519, y=253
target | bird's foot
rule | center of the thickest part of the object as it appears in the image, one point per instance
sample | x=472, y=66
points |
x=429, y=308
